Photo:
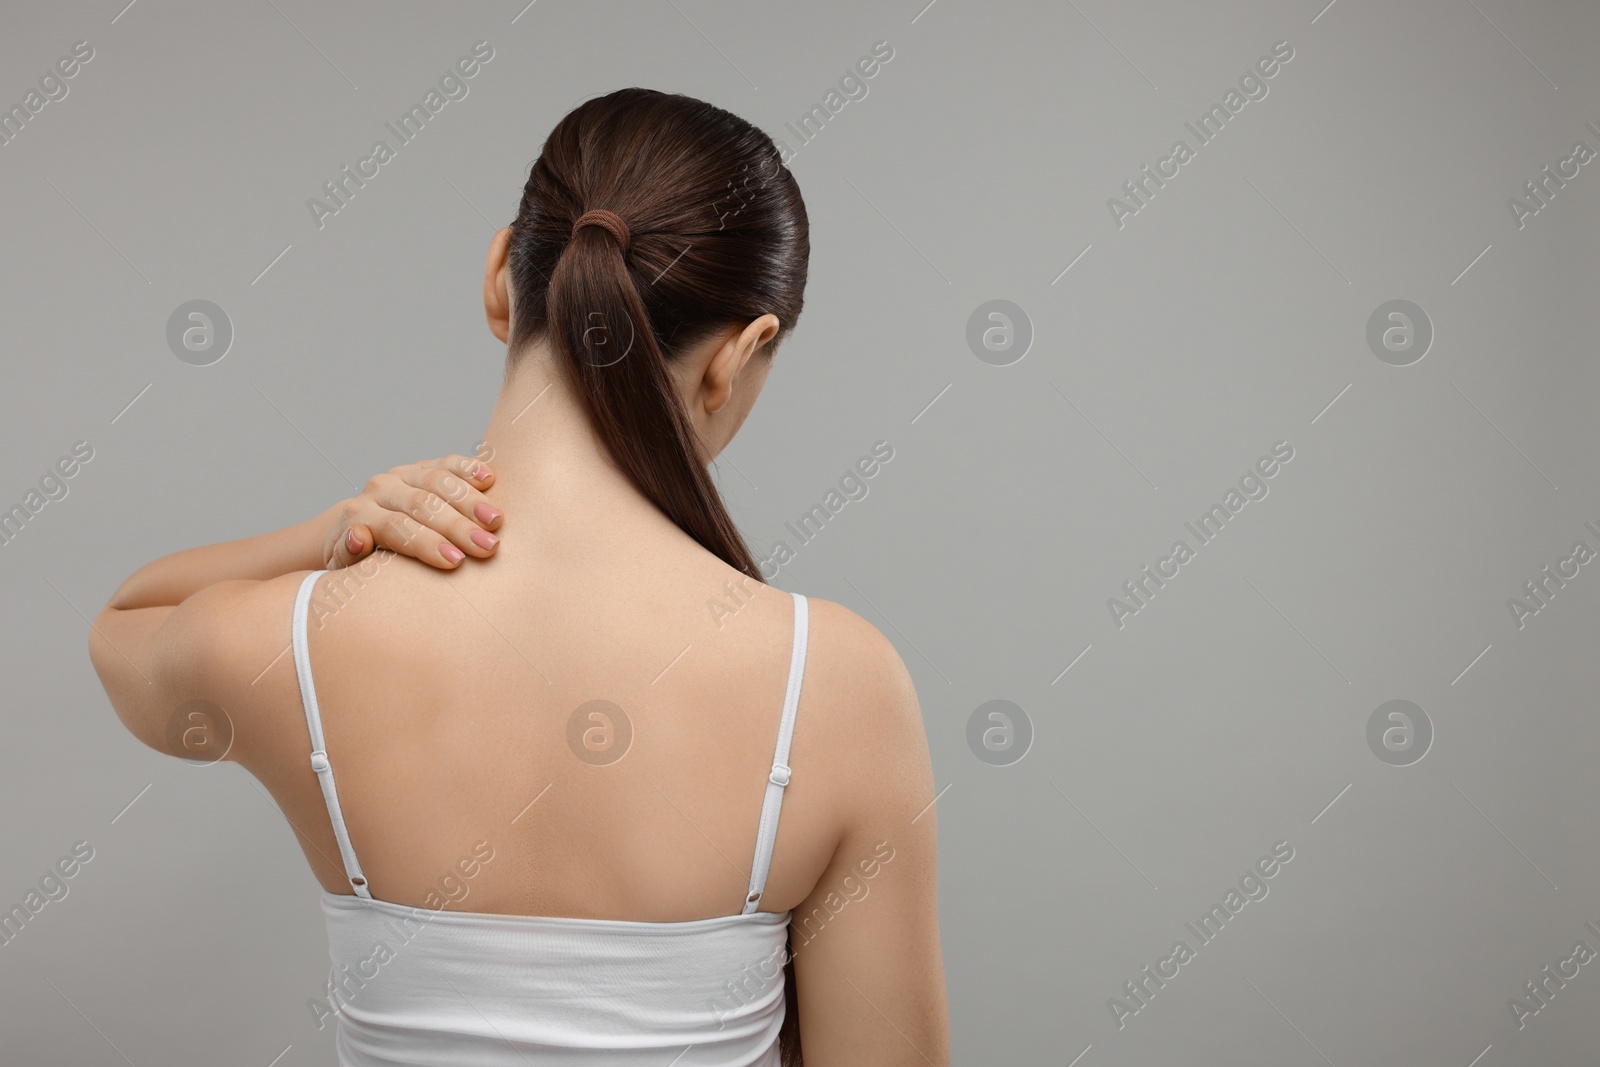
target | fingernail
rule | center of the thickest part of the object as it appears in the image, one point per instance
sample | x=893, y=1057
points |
x=352, y=542
x=485, y=513
x=484, y=539
x=451, y=553
x=480, y=472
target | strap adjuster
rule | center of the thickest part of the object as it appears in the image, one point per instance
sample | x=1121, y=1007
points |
x=779, y=775
x=319, y=761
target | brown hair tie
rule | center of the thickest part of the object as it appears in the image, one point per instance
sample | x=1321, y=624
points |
x=607, y=219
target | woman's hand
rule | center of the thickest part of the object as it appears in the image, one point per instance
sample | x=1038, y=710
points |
x=434, y=511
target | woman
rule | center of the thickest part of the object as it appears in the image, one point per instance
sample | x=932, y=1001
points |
x=562, y=747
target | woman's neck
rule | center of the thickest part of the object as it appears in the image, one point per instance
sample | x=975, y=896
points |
x=552, y=472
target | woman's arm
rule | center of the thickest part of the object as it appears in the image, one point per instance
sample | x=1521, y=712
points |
x=392, y=512
x=171, y=580
x=151, y=654
x=868, y=966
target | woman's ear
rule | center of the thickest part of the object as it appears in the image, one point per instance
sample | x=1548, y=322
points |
x=496, y=297
x=730, y=358
x=760, y=332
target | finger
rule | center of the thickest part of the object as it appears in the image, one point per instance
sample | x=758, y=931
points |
x=385, y=510
x=462, y=481
x=421, y=525
x=461, y=493
x=439, y=515
x=470, y=468
x=348, y=543
x=401, y=534
x=356, y=543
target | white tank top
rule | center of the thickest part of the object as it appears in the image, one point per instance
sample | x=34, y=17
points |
x=417, y=986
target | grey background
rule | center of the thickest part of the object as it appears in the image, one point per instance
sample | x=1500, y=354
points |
x=1224, y=317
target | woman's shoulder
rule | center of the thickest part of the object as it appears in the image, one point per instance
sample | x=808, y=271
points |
x=859, y=697
x=850, y=666
x=861, y=737
x=849, y=651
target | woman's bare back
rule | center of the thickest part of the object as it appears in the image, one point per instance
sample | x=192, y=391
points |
x=604, y=733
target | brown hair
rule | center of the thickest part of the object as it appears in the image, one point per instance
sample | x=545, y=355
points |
x=717, y=237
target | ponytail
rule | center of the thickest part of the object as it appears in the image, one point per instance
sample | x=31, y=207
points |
x=602, y=331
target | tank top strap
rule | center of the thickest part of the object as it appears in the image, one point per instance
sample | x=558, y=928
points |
x=767, y=835
x=319, y=755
